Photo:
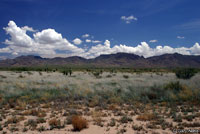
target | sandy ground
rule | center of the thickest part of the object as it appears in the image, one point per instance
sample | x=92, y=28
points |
x=162, y=124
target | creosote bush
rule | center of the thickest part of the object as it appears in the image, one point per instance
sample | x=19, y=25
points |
x=79, y=123
x=174, y=86
x=185, y=73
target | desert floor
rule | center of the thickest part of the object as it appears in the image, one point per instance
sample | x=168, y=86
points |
x=26, y=108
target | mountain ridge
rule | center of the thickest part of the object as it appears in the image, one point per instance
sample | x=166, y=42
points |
x=108, y=60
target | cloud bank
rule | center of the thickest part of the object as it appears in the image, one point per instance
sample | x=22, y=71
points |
x=49, y=43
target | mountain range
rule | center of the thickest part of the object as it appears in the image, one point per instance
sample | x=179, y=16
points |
x=110, y=60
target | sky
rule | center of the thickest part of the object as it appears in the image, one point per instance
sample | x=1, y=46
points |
x=89, y=28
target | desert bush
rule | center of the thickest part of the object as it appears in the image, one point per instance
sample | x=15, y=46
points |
x=31, y=123
x=108, y=76
x=186, y=94
x=177, y=118
x=1, y=128
x=55, y=123
x=13, y=129
x=25, y=129
x=185, y=73
x=125, y=119
x=67, y=71
x=41, y=128
x=79, y=123
x=14, y=120
x=41, y=120
x=137, y=128
x=3, y=77
x=126, y=76
x=96, y=116
x=174, y=86
x=68, y=120
x=97, y=74
x=146, y=117
x=112, y=122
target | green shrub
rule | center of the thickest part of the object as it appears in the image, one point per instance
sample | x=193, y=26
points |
x=174, y=86
x=126, y=76
x=97, y=74
x=125, y=119
x=67, y=71
x=185, y=73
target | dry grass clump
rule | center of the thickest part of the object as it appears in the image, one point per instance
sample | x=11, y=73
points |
x=186, y=94
x=14, y=119
x=19, y=105
x=97, y=118
x=55, y=123
x=79, y=123
x=146, y=117
x=125, y=119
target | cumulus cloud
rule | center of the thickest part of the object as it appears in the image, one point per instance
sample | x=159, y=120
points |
x=128, y=19
x=153, y=41
x=49, y=43
x=45, y=43
x=85, y=36
x=142, y=49
x=77, y=41
x=180, y=37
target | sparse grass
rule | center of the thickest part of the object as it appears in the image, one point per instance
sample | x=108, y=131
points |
x=116, y=95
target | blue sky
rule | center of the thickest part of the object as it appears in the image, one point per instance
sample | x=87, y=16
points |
x=166, y=23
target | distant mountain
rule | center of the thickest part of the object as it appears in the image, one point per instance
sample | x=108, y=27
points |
x=175, y=60
x=110, y=60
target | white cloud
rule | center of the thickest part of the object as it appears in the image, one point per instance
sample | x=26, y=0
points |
x=153, y=41
x=96, y=41
x=142, y=49
x=45, y=43
x=85, y=36
x=92, y=41
x=88, y=40
x=77, y=41
x=180, y=37
x=128, y=19
x=49, y=43
x=26, y=28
